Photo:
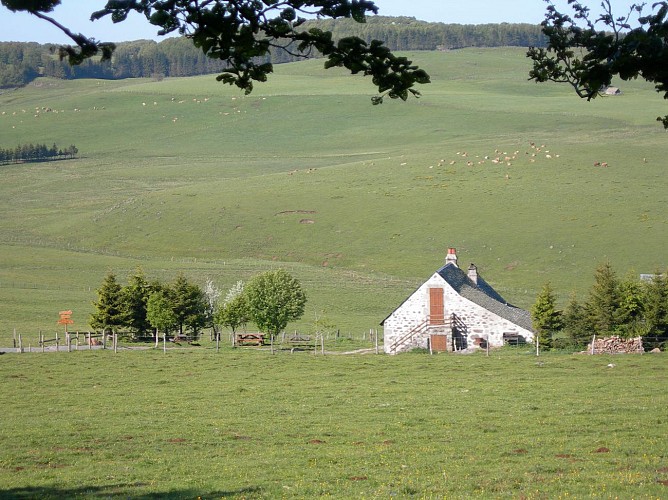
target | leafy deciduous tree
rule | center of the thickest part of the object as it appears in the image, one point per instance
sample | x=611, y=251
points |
x=274, y=299
x=160, y=313
x=212, y=295
x=234, y=311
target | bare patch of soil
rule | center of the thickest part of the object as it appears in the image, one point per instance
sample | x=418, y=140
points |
x=287, y=212
x=176, y=440
x=316, y=441
x=602, y=449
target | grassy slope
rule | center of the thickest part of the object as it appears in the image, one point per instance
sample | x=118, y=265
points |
x=216, y=184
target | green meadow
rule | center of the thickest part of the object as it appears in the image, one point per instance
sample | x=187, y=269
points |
x=246, y=424
x=359, y=202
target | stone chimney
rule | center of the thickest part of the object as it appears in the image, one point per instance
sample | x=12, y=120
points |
x=451, y=258
x=473, y=273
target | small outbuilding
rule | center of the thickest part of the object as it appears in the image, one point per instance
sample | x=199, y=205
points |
x=455, y=310
x=612, y=91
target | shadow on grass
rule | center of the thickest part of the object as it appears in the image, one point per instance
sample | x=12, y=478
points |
x=122, y=491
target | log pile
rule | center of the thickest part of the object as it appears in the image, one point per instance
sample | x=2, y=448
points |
x=616, y=345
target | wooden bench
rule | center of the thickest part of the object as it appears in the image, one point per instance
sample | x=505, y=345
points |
x=300, y=341
x=242, y=339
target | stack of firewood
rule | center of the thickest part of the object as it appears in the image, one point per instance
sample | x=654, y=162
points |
x=616, y=345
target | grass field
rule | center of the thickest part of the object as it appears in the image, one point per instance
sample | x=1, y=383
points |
x=246, y=424
x=189, y=175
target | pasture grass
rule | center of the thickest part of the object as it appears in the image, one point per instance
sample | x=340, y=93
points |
x=360, y=201
x=246, y=424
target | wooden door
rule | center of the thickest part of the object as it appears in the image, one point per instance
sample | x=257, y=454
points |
x=436, y=309
x=439, y=343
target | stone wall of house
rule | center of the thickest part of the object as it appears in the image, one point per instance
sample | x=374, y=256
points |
x=481, y=323
x=414, y=311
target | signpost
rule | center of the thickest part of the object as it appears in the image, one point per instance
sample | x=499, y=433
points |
x=65, y=319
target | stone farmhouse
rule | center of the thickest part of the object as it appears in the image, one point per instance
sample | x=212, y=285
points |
x=455, y=310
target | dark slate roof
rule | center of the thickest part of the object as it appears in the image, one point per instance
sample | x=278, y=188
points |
x=484, y=295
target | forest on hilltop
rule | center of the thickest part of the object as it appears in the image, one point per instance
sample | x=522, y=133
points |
x=21, y=63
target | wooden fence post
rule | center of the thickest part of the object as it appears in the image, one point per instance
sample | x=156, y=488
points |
x=115, y=341
x=90, y=341
x=57, y=343
x=20, y=343
x=164, y=342
x=68, y=341
x=41, y=339
x=104, y=338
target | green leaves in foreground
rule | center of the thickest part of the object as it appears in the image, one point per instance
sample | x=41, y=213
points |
x=587, y=53
x=243, y=34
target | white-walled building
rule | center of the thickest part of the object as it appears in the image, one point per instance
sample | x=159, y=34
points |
x=455, y=310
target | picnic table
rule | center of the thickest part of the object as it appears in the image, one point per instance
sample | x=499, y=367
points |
x=241, y=339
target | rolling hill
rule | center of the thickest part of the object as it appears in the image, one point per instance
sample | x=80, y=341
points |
x=358, y=201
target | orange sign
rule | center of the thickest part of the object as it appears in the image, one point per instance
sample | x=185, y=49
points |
x=65, y=318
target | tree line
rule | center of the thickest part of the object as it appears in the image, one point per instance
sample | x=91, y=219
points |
x=626, y=307
x=144, y=308
x=20, y=63
x=36, y=152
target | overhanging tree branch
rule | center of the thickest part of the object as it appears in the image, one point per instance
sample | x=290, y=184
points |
x=241, y=33
x=587, y=53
